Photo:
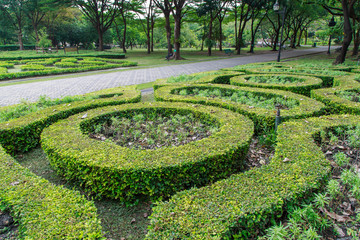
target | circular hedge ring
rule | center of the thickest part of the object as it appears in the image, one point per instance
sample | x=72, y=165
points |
x=293, y=83
x=326, y=75
x=221, y=77
x=263, y=118
x=110, y=170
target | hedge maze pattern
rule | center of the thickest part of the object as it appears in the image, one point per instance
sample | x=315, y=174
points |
x=201, y=191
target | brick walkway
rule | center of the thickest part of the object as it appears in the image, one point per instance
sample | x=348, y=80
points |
x=79, y=85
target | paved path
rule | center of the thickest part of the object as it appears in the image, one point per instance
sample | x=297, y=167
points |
x=79, y=85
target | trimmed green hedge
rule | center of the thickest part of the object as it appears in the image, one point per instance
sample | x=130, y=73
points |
x=304, y=86
x=43, y=210
x=109, y=170
x=22, y=134
x=263, y=118
x=336, y=103
x=94, y=54
x=81, y=68
x=16, y=47
x=326, y=75
x=221, y=77
x=237, y=207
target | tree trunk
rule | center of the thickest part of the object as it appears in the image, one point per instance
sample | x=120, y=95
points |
x=348, y=34
x=299, y=39
x=221, y=36
x=124, y=33
x=36, y=33
x=148, y=40
x=152, y=33
x=356, y=43
x=168, y=32
x=101, y=40
x=177, y=33
x=210, y=37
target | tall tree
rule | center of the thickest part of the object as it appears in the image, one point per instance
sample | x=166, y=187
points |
x=211, y=10
x=177, y=13
x=258, y=11
x=101, y=14
x=14, y=11
x=165, y=6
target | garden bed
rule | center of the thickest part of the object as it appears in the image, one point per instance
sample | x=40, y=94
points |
x=259, y=104
x=54, y=66
x=129, y=175
x=293, y=83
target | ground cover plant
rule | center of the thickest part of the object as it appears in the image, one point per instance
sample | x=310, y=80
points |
x=293, y=83
x=154, y=131
x=335, y=211
x=52, y=66
x=249, y=98
x=26, y=107
x=221, y=77
x=349, y=95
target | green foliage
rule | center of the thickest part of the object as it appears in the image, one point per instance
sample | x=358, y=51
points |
x=32, y=67
x=341, y=159
x=67, y=65
x=245, y=203
x=293, y=83
x=129, y=175
x=333, y=188
x=248, y=98
x=44, y=40
x=263, y=118
x=336, y=98
x=23, y=133
x=44, y=210
x=221, y=77
x=26, y=107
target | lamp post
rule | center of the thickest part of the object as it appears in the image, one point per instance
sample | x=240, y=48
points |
x=276, y=8
x=332, y=23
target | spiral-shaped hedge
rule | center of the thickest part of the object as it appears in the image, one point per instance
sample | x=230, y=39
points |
x=110, y=170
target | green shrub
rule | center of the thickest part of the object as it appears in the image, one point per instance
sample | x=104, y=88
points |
x=16, y=47
x=243, y=204
x=43, y=210
x=326, y=75
x=336, y=101
x=66, y=65
x=264, y=119
x=130, y=175
x=6, y=65
x=22, y=134
x=3, y=70
x=77, y=68
x=221, y=77
x=93, y=54
x=32, y=67
x=293, y=83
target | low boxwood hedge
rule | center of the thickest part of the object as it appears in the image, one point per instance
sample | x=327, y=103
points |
x=94, y=54
x=113, y=171
x=22, y=134
x=336, y=103
x=242, y=68
x=326, y=75
x=78, y=68
x=264, y=119
x=301, y=85
x=220, y=77
x=238, y=207
x=43, y=210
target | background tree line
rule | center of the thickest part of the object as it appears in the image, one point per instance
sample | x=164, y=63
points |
x=173, y=24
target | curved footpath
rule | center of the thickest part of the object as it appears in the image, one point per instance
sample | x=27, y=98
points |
x=84, y=84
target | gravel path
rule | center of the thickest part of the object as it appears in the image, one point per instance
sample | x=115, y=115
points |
x=83, y=84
